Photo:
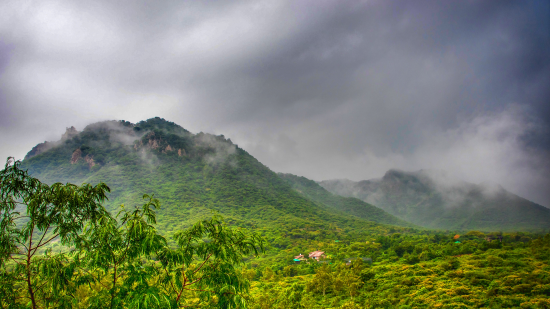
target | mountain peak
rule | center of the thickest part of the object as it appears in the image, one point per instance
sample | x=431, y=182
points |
x=69, y=133
x=193, y=175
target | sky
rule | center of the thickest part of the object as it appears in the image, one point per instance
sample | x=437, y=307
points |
x=321, y=89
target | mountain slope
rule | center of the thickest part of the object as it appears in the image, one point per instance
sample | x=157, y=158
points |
x=435, y=200
x=348, y=205
x=192, y=175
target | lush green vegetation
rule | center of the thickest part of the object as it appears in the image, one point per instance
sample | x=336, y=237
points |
x=141, y=256
x=208, y=174
x=106, y=261
x=413, y=270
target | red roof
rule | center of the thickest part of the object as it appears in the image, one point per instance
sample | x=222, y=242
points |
x=316, y=254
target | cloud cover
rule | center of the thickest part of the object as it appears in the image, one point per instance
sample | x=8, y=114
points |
x=323, y=89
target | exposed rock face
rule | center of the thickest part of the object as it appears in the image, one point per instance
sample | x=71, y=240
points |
x=156, y=141
x=90, y=160
x=40, y=148
x=77, y=154
x=153, y=144
x=45, y=146
x=69, y=133
x=153, y=141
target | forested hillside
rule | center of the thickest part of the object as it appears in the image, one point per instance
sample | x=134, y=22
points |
x=192, y=175
x=435, y=200
x=368, y=258
x=124, y=262
x=349, y=205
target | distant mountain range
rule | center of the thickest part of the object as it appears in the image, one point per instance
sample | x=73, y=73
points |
x=435, y=199
x=196, y=174
x=348, y=205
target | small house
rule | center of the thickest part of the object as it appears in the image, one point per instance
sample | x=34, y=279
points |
x=317, y=255
x=299, y=258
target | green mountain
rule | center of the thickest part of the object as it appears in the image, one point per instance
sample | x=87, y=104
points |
x=192, y=175
x=436, y=200
x=348, y=205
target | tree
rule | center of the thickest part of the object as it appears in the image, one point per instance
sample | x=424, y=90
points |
x=477, y=234
x=116, y=256
x=202, y=267
x=348, y=277
x=291, y=297
x=322, y=280
x=129, y=264
x=119, y=261
x=32, y=216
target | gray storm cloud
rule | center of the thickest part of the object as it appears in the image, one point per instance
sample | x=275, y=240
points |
x=323, y=89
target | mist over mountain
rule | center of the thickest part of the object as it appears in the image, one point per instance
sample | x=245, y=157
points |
x=322, y=89
x=195, y=174
x=435, y=199
x=192, y=175
x=349, y=205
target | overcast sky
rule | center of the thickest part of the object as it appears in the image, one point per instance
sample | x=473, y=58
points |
x=322, y=89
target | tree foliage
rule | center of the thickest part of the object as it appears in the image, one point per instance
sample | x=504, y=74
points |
x=431, y=271
x=34, y=215
x=106, y=261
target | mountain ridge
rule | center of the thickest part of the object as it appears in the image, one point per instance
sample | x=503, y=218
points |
x=435, y=199
x=348, y=205
x=203, y=173
x=193, y=175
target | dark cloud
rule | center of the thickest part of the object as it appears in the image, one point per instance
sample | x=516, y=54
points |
x=324, y=89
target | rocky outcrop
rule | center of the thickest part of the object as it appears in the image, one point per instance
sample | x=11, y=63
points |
x=90, y=160
x=45, y=146
x=77, y=154
x=69, y=133
x=40, y=148
x=153, y=141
